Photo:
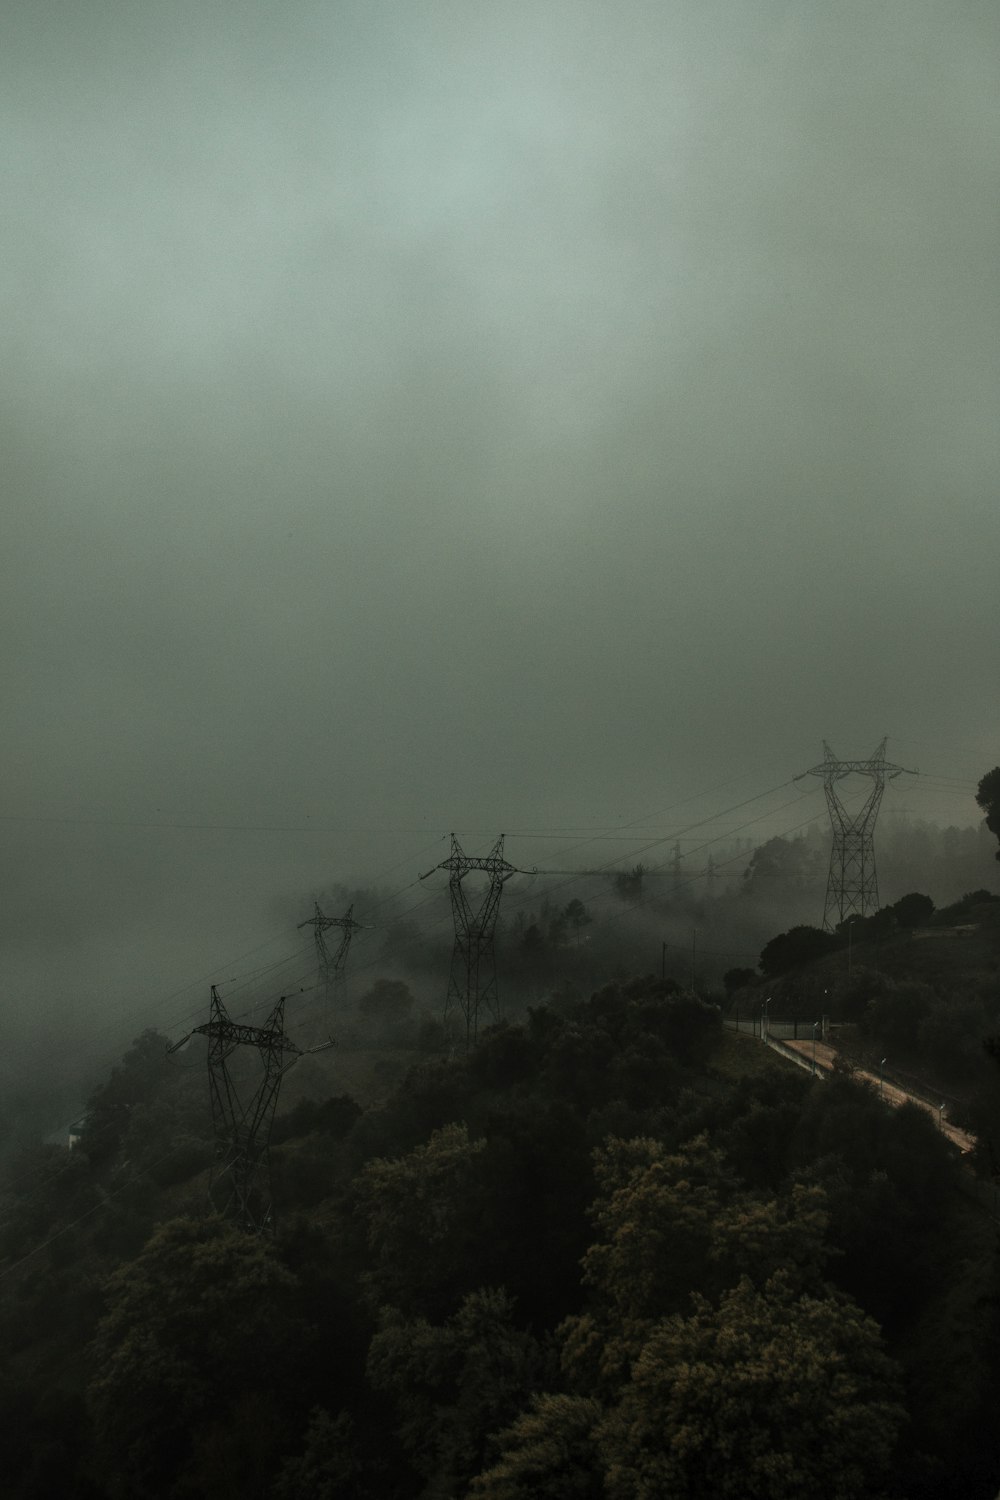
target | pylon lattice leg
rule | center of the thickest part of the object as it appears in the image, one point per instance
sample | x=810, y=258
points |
x=331, y=966
x=240, y=1188
x=472, y=981
x=852, y=882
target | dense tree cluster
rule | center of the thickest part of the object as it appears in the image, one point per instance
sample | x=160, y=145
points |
x=615, y=1251
x=804, y=944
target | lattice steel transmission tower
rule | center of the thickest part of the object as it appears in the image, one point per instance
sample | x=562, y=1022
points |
x=241, y=1182
x=332, y=965
x=472, y=984
x=852, y=884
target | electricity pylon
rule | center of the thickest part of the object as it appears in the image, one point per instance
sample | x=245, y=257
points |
x=852, y=884
x=331, y=965
x=241, y=1182
x=472, y=984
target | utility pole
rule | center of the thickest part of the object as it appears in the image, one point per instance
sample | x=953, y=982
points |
x=472, y=984
x=331, y=965
x=241, y=1182
x=852, y=886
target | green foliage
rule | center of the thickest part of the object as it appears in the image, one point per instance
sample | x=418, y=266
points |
x=550, y=1452
x=739, y=979
x=428, y=1199
x=334, y=1117
x=866, y=986
x=671, y=1225
x=606, y=1169
x=626, y=1043
x=747, y=1391
x=949, y=1349
x=890, y=1181
x=536, y=1182
x=43, y=1441
x=799, y=945
x=59, y=1189
x=988, y=797
x=893, y=1017
x=654, y=1215
x=952, y=1031
x=430, y=1096
x=454, y=1384
x=914, y=910
x=387, y=1009
x=771, y=1395
x=328, y=1468
x=141, y=1078
x=628, y=884
x=781, y=868
x=504, y=1058
x=963, y=909
x=755, y=1139
x=201, y=1322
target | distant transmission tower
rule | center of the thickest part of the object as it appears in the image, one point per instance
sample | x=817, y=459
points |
x=241, y=1183
x=472, y=985
x=852, y=885
x=331, y=965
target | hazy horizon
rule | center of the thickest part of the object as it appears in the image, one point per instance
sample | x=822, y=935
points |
x=550, y=420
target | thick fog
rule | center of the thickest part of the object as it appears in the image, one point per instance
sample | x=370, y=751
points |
x=544, y=418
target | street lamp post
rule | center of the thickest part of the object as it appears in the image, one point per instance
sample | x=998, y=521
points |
x=765, y=1023
x=880, y=1067
x=815, y=1025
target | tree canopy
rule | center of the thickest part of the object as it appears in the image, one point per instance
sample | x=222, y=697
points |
x=204, y=1319
x=988, y=797
x=615, y=1251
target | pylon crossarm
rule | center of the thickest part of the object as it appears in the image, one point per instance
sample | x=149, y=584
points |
x=492, y=866
x=459, y=863
x=837, y=770
x=233, y=1034
x=310, y=1052
x=328, y=962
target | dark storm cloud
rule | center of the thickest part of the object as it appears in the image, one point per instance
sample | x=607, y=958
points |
x=442, y=415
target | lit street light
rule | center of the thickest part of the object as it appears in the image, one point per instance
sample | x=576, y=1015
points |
x=815, y=1025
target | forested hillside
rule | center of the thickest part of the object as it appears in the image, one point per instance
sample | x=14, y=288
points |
x=615, y=1250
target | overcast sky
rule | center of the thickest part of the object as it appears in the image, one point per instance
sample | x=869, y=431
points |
x=428, y=415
